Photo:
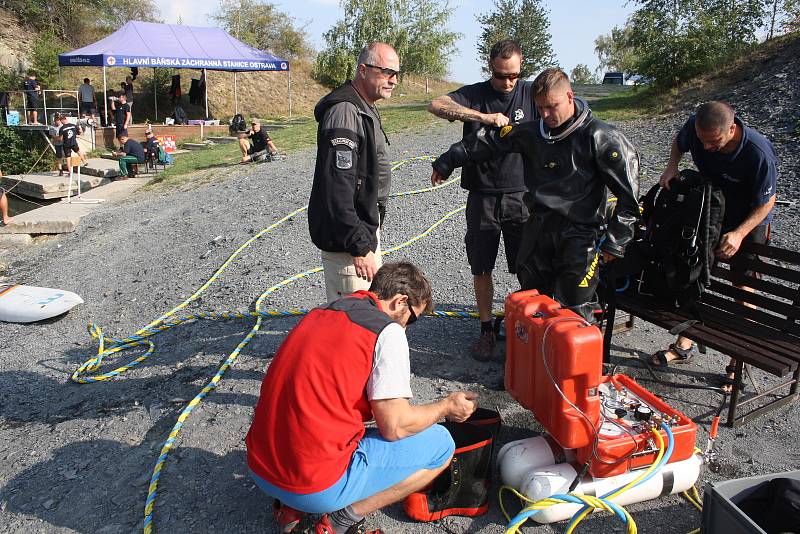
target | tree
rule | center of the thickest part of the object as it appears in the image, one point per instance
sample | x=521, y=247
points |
x=614, y=51
x=261, y=25
x=582, y=75
x=77, y=23
x=415, y=28
x=673, y=40
x=524, y=21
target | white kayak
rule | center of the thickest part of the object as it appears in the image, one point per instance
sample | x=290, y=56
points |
x=26, y=304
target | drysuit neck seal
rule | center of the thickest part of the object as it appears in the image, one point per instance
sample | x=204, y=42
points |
x=582, y=113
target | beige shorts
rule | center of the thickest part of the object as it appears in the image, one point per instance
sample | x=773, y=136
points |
x=340, y=274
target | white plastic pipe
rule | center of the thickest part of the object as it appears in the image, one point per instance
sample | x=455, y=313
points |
x=541, y=483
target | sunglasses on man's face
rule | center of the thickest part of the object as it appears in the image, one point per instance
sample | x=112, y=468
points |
x=413, y=318
x=505, y=75
x=384, y=70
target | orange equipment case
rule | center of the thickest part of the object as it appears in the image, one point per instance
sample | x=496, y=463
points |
x=621, y=445
x=574, y=356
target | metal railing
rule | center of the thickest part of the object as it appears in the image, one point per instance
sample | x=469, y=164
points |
x=56, y=104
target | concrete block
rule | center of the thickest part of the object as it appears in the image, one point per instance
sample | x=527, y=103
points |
x=48, y=185
x=194, y=146
x=223, y=140
x=102, y=167
x=11, y=241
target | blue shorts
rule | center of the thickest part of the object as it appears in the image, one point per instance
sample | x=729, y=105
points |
x=376, y=465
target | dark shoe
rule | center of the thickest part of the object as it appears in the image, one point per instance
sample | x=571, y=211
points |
x=499, y=330
x=323, y=526
x=684, y=355
x=288, y=518
x=483, y=349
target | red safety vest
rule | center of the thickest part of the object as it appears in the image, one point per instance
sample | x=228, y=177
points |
x=313, y=403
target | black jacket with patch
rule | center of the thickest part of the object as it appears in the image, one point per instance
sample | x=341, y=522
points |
x=568, y=176
x=343, y=208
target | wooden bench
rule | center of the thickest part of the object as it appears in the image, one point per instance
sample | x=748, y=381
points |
x=766, y=337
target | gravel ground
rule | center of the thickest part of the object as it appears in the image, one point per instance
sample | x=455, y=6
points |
x=77, y=458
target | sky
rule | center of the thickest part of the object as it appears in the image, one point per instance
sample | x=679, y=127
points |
x=574, y=26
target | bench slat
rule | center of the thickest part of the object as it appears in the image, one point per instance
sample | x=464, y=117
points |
x=754, y=315
x=770, y=251
x=762, y=285
x=755, y=352
x=765, y=303
x=783, y=345
x=769, y=269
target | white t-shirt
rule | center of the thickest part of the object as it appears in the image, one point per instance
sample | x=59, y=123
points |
x=391, y=367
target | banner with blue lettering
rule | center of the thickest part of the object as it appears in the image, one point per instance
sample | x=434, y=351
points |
x=147, y=44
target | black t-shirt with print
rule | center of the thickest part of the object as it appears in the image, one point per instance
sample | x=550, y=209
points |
x=69, y=134
x=504, y=174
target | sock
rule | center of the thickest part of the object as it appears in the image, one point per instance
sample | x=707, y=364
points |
x=343, y=519
x=486, y=326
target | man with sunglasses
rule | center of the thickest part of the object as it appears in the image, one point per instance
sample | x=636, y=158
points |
x=494, y=203
x=352, y=176
x=343, y=364
x=571, y=162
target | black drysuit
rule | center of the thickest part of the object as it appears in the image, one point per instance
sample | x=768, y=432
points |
x=568, y=173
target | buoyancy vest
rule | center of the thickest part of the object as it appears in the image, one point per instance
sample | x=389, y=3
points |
x=312, y=407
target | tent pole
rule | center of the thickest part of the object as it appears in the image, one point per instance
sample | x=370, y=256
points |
x=235, y=95
x=155, y=95
x=105, y=97
x=205, y=89
x=290, y=94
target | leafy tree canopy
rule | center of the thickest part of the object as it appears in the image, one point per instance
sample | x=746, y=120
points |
x=524, y=21
x=417, y=29
x=581, y=74
x=263, y=26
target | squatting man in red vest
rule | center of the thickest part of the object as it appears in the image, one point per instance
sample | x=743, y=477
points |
x=344, y=364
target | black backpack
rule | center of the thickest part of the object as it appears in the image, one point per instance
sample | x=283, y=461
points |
x=674, y=251
x=180, y=115
x=238, y=124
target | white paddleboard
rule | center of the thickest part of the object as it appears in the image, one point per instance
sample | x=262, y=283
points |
x=26, y=304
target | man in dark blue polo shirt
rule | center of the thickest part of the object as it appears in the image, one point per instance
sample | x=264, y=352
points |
x=496, y=187
x=743, y=164
x=32, y=91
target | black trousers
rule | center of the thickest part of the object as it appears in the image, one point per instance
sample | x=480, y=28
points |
x=560, y=259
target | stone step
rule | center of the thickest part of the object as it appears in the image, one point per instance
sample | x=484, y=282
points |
x=62, y=217
x=195, y=146
x=49, y=185
x=223, y=140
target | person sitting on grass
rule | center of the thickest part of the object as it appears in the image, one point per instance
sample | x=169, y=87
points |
x=261, y=141
x=131, y=153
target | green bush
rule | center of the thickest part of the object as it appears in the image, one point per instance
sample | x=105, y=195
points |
x=20, y=150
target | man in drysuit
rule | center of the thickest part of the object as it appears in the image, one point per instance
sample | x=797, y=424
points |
x=571, y=159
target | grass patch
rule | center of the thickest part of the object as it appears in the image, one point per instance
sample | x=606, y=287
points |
x=625, y=105
x=407, y=115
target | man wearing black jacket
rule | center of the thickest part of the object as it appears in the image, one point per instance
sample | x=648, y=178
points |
x=571, y=160
x=352, y=174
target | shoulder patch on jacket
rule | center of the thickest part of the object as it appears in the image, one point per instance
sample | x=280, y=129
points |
x=344, y=141
x=505, y=129
x=344, y=159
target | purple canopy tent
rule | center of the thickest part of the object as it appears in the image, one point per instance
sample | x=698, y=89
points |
x=147, y=44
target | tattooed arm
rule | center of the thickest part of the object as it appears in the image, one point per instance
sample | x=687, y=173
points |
x=446, y=108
